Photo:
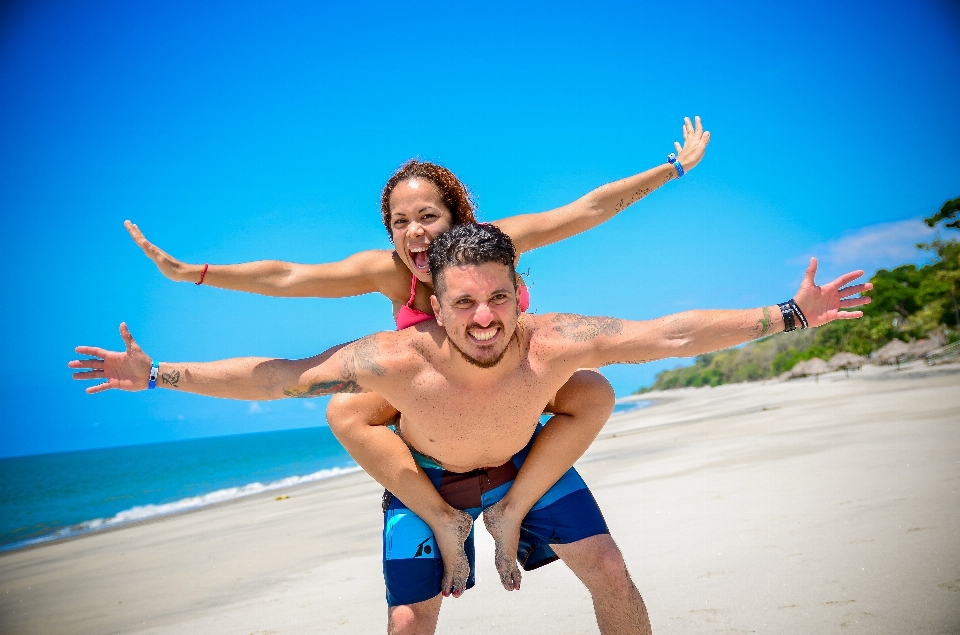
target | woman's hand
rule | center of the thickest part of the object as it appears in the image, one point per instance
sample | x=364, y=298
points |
x=168, y=265
x=695, y=140
x=129, y=370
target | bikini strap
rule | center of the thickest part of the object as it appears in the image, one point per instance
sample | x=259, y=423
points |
x=413, y=291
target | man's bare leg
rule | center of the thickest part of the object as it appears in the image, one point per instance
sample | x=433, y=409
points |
x=598, y=563
x=581, y=408
x=414, y=619
x=359, y=423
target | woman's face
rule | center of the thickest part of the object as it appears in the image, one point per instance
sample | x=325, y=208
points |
x=417, y=216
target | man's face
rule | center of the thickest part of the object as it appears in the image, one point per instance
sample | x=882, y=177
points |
x=417, y=216
x=479, y=311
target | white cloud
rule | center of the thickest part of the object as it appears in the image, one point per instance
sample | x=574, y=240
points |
x=885, y=245
x=309, y=405
x=255, y=408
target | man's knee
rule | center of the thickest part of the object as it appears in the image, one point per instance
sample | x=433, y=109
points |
x=601, y=565
x=414, y=619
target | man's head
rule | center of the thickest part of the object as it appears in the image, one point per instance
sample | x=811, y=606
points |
x=475, y=290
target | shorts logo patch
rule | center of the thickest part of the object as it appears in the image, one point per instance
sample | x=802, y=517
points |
x=423, y=548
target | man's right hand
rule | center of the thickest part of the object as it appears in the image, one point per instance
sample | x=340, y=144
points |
x=129, y=370
x=167, y=264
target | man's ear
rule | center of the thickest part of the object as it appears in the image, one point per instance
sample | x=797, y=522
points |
x=435, y=303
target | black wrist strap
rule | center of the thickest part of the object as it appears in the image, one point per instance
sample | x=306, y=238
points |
x=791, y=315
x=796, y=311
x=787, y=312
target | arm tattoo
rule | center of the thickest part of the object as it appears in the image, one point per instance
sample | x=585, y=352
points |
x=171, y=378
x=580, y=328
x=362, y=355
x=323, y=388
x=669, y=176
x=625, y=203
x=763, y=324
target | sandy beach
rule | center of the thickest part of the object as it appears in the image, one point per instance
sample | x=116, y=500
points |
x=798, y=507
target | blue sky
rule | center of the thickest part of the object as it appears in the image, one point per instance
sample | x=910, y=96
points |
x=234, y=131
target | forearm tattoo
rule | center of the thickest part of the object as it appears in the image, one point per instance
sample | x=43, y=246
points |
x=171, y=379
x=763, y=324
x=361, y=355
x=580, y=328
x=627, y=202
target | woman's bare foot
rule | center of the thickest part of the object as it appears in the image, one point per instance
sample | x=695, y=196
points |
x=506, y=538
x=450, y=537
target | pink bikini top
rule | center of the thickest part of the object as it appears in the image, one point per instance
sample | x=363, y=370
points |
x=409, y=316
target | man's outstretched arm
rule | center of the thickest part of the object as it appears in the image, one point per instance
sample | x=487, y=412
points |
x=340, y=369
x=614, y=341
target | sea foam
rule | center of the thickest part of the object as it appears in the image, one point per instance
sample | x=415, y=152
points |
x=143, y=512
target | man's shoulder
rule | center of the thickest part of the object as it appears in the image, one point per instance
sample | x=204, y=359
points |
x=571, y=327
x=405, y=348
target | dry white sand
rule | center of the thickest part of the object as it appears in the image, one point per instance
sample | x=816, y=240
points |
x=804, y=507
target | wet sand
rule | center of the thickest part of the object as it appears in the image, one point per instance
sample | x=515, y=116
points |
x=798, y=507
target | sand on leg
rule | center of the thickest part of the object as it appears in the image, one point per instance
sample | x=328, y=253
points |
x=359, y=423
x=581, y=408
x=598, y=563
x=414, y=619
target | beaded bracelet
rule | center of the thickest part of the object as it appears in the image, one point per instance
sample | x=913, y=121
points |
x=672, y=160
x=154, y=371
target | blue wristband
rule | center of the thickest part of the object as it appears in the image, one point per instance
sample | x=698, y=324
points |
x=672, y=160
x=154, y=371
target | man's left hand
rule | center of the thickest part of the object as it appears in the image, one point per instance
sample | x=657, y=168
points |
x=822, y=304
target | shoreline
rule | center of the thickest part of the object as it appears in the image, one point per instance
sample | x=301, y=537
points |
x=779, y=507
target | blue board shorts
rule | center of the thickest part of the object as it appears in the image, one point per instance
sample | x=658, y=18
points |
x=412, y=567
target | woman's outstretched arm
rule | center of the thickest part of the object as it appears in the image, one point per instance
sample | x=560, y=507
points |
x=363, y=272
x=530, y=231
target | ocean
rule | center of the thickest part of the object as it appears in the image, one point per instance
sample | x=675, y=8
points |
x=50, y=496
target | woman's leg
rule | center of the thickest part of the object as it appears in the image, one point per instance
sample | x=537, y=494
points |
x=581, y=408
x=359, y=423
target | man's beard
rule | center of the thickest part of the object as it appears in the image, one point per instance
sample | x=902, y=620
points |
x=479, y=363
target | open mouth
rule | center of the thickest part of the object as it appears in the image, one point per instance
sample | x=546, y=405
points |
x=418, y=255
x=483, y=335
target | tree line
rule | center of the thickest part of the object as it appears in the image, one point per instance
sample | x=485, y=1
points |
x=908, y=303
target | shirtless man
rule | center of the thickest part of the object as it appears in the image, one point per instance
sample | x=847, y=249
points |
x=471, y=387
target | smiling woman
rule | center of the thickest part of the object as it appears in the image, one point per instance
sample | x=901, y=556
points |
x=420, y=201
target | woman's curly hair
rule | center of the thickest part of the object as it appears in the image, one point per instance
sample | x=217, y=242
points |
x=454, y=194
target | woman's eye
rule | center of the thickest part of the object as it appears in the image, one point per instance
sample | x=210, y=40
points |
x=399, y=222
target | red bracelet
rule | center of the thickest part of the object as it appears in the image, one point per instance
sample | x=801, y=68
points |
x=203, y=274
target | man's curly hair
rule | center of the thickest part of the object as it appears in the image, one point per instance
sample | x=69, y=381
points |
x=469, y=244
x=454, y=194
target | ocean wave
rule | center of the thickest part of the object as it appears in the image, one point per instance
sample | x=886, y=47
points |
x=143, y=512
